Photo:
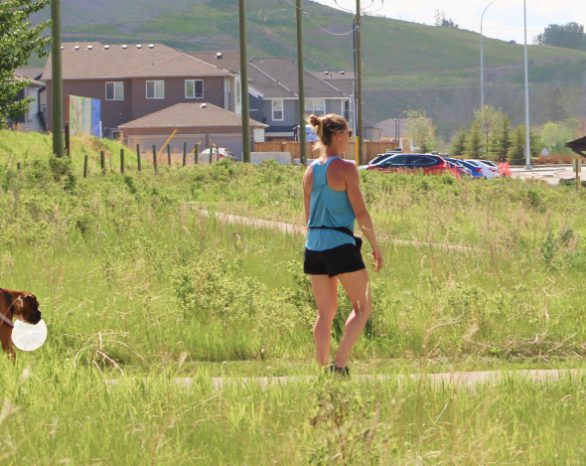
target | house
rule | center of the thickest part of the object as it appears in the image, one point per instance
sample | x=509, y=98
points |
x=189, y=123
x=133, y=81
x=273, y=92
x=32, y=119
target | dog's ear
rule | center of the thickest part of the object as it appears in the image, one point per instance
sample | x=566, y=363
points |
x=18, y=305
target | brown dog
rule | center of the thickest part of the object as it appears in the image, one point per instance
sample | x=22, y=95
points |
x=20, y=305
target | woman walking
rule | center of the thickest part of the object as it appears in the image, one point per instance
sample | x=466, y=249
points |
x=333, y=201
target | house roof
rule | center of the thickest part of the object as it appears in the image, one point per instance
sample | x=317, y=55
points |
x=227, y=59
x=30, y=73
x=190, y=115
x=578, y=146
x=276, y=77
x=283, y=74
x=32, y=82
x=343, y=80
x=93, y=60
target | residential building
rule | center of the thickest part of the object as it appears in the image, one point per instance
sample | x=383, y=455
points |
x=133, y=81
x=273, y=92
x=32, y=118
x=182, y=123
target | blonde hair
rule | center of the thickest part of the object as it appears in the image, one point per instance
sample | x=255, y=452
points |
x=325, y=128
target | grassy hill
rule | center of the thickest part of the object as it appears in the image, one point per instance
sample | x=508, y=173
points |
x=417, y=60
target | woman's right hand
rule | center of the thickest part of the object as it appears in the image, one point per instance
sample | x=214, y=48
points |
x=377, y=257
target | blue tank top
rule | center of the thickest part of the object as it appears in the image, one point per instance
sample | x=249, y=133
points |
x=328, y=208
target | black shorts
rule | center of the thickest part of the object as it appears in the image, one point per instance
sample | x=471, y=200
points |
x=343, y=259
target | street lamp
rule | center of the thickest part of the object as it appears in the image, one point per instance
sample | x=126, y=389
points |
x=527, y=119
x=482, y=58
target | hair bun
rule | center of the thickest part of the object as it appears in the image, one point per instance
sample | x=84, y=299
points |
x=314, y=121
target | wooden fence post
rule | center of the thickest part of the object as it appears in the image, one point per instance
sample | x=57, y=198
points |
x=85, y=165
x=169, y=154
x=138, y=159
x=155, y=166
x=196, y=153
x=122, y=161
x=184, y=153
x=18, y=166
x=211, y=153
x=103, y=162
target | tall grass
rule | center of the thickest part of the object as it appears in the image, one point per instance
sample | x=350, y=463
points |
x=137, y=286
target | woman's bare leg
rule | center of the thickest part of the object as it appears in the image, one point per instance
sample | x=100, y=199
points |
x=357, y=287
x=325, y=291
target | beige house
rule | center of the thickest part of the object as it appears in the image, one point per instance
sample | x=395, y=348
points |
x=203, y=123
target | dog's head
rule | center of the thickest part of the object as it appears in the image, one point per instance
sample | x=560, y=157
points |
x=26, y=308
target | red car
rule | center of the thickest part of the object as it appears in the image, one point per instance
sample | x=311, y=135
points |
x=409, y=163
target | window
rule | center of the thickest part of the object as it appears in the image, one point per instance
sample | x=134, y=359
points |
x=115, y=90
x=315, y=106
x=194, y=88
x=278, y=110
x=155, y=89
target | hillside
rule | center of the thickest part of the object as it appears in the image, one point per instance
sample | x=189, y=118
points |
x=407, y=65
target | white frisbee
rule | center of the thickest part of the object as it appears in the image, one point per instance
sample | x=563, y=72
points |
x=29, y=337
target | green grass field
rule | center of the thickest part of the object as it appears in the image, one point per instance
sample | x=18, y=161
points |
x=138, y=287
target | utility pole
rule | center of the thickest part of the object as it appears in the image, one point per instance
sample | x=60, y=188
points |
x=358, y=80
x=57, y=83
x=244, y=85
x=301, y=93
x=527, y=118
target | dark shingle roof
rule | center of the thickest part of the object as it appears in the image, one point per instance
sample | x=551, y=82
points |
x=277, y=77
x=190, y=115
x=284, y=72
x=93, y=60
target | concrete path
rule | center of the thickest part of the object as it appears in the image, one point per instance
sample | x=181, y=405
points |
x=295, y=229
x=464, y=380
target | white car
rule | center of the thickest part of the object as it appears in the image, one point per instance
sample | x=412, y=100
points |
x=219, y=153
x=489, y=169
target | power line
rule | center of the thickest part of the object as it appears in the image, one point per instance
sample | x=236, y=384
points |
x=338, y=34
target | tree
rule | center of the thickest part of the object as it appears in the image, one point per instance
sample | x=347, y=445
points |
x=569, y=35
x=488, y=120
x=474, y=143
x=517, y=150
x=19, y=40
x=422, y=130
x=501, y=143
x=441, y=21
x=556, y=135
x=459, y=144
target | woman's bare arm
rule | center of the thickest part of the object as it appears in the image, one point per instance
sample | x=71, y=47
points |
x=307, y=186
x=356, y=199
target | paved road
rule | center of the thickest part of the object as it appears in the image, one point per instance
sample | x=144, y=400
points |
x=552, y=174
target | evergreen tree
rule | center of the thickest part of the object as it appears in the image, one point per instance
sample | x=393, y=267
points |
x=19, y=39
x=517, y=150
x=474, y=143
x=501, y=143
x=459, y=144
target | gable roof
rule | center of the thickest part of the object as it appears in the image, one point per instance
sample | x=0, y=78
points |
x=283, y=73
x=343, y=80
x=276, y=77
x=191, y=115
x=93, y=60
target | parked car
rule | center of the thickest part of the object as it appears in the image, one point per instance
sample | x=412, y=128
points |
x=458, y=168
x=489, y=169
x=218, y=153
x=476, y=170
x=380, y=158
x=428, y=164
